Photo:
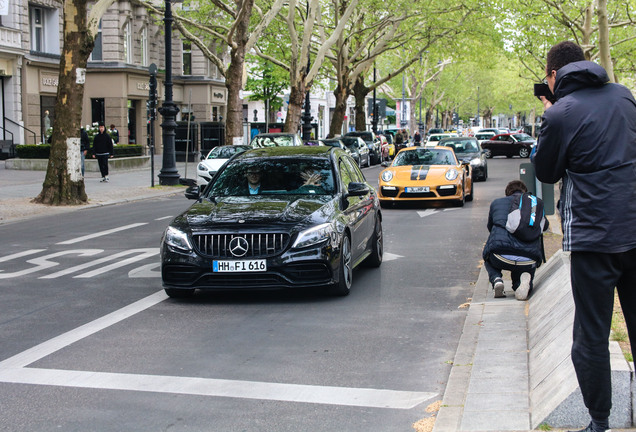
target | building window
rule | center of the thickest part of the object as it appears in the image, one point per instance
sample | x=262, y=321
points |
x=144, y=47
x=187, y=58
x=128, y=46
x=96, y=55
x=37, y=29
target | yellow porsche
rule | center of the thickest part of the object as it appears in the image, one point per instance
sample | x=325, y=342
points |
x=420, y=173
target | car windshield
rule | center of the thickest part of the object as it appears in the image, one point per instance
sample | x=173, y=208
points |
x=274, y=176
x=351, y=143
x=332, y=143
x=224, y=152
x=484, y=136
x=423, y=156
x=272, y=141
x=367, y=136
x=461, y=146
x=523, y=137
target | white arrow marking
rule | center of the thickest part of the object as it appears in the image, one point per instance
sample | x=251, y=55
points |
x=427, y=212
x=390, y=257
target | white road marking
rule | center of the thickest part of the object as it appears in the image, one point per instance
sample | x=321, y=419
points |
x=43, y=262
x=426, y=212
x=57, y=343
x=101, y=233
x=390, y=257
x=15, y=370
x=451, y=209
x=146, y=271
x=140, y=254
x=165, y=217
x=20, y=254
x=363, y=397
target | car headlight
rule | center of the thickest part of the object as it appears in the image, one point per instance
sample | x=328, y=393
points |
x=451, y=174
x=202, y=167
x=315, y=235
x=177, y=239
x=475, y=161
x=387, y=176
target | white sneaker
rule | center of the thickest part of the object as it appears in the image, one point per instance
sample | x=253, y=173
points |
x=498, y=285
x=524, y=287
x=106, y=179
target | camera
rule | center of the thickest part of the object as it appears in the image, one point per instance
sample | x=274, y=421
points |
x=542, y=89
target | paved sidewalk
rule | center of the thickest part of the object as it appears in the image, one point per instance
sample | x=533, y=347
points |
x=19, y=187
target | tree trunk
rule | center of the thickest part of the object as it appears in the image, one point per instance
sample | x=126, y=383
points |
x=234, y=77
x=604, y=40
x=360, y=91
x=339, y=112
x=295, y=108
x=64, y=184
x=234, y=114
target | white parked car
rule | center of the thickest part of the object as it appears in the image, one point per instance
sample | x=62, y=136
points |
x=215, y=160
x=434, y=139
x=484, y=136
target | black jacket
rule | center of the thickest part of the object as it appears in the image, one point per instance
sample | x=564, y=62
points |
x=588, y=139
x=102, y=143
x=501, y=242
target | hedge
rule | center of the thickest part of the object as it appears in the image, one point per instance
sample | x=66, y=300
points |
x=42, y=151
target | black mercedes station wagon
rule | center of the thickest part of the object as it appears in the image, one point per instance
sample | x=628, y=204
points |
x=274, y=218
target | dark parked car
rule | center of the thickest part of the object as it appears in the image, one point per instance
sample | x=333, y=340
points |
x=314, y=219
x=514, y=144
x=467, y=149
x=359, y=150
x=375, y=150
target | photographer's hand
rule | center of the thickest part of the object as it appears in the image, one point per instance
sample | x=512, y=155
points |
x=546, y=103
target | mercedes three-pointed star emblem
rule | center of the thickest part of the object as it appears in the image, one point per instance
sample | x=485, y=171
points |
x=238, y=246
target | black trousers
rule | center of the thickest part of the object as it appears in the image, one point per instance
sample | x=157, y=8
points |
x=594, y=276
x=102, y=161
x=496, y=263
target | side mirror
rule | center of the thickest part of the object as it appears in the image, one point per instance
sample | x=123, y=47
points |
x=192, y=192
x=357, y=189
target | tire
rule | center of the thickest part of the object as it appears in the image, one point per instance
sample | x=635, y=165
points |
x=377, y=249
x=179, y=293
x=345, y=271
x=460, y=202
x=469, y=198
x=524, y=152
x=488, y=153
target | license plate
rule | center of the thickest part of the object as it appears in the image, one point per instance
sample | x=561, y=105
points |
x=239, y=266
x=417, y=189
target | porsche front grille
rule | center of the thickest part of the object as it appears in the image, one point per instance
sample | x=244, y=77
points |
x=259, y=245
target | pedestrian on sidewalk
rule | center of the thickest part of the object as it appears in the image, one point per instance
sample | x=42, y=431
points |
x=588, y=140
x=504, y=250
x=102, y=150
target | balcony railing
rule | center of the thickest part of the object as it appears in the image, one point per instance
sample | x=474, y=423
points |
x=10, y=38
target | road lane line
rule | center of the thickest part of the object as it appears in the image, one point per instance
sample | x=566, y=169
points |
x=20, y=254
x=44, y=349
x=426, y=212
x=165, y=217
x=345, y=396
x=101, y=233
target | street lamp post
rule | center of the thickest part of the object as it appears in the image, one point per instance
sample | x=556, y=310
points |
x=478, y=120
x=403, y=121
x=374, y=121
x=307, y=114
x=168, y=174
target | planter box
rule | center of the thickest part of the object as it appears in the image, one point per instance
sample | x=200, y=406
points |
x=90, y=165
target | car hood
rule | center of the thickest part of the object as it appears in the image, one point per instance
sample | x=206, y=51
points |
x=420, y=172
x=264, y=211
x=467, y=156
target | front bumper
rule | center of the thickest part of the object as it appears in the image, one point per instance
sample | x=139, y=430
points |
x=310, y=267
x=438, y=192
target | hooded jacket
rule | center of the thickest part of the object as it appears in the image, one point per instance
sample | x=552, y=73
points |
x=588, y=139
x=501, y=242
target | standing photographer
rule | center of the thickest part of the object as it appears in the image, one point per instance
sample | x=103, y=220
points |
x=588, y=140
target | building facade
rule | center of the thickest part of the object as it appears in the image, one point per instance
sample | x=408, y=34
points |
x=116, y=90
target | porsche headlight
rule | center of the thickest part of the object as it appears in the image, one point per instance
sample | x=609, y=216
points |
x=202, y=167
x=387, y=176
x=315, y=235
x=451, y=174
x=177, y=239
x=475, y=162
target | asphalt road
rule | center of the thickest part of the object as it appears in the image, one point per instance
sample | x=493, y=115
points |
x=89, y=342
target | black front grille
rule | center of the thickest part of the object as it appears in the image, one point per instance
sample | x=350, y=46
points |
x=447, y=192
x=260, y=245
x=308, y=272
x=391, y=193
x=418, y=195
